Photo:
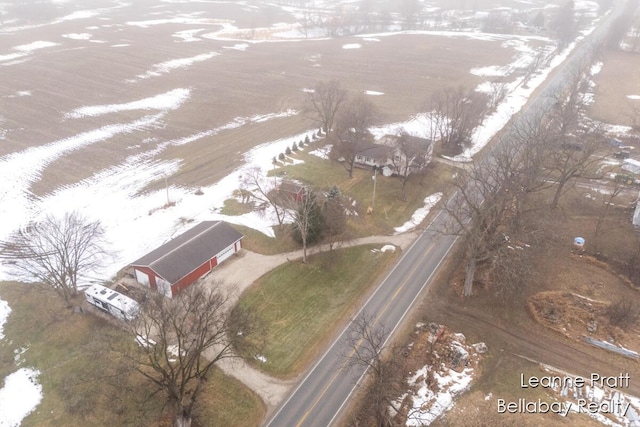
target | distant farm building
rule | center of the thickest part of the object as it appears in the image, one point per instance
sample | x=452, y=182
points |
x=632, y=166
x=414, y=155
x=291, y=190
x=180, y=262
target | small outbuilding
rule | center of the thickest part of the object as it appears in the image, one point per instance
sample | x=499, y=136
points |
x=292, y=191
x=181, y=261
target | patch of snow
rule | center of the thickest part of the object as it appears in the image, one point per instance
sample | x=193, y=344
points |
x=420, y=214
x=491, y=71
x=322, y=152
x=596, y=68
x=388, y=248
x=618, y=129
x=177, y=20
x=165, y=101
x=168, y=66
x=453, y=383
x=144, y=341
x=634, y=97
x=80, y=14
x=419, y=126
x=188, y=36
x=17, y=355
x=21, y=93
x=299, y=33
x=173, y=350
x=240, y=46
x=34, y=46
x=5, y=310
x=373, y=93
x=120, y=45
x=352, y=46
x=261, y=358
x=19, y=396
x=307, y=90
x=77, y=36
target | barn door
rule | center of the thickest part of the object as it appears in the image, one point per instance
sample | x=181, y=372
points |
x=142, y=277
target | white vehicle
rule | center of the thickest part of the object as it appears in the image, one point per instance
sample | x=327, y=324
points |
x=114, y=303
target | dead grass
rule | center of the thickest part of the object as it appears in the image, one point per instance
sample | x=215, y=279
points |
x=271, y=75
x=81, y=377
x=620, y=77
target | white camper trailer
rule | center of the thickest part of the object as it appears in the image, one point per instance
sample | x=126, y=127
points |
x=112, y=302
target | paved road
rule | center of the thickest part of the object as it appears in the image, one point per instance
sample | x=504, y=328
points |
x=320, y=396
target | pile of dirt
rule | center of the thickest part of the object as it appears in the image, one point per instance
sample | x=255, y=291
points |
x=576, y=317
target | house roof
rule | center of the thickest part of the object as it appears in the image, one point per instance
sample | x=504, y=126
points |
x=183, y=254
x=291, y=187
x=375, y=151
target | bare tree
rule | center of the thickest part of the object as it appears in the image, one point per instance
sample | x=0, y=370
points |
x=482, y=208
x=181, y=339
x=410, y=155
x=307, y=220
x=410, y=11
x=605, y=210
x=499, y=91
x=457, y=113
x=540, y=60
x=324, y=103
x=575, y=140
x=571, y=158
x=58, y=252
x=565, y=24
x=498, y=21
x=368, y=349
x=352, y=130
x=264, y=192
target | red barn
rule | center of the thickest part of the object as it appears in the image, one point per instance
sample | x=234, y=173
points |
x=186, y=258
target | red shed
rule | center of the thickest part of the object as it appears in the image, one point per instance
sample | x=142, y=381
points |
x=293, y=191
x=186, y=258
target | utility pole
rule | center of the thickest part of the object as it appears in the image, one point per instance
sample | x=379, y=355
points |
x=373, y=199
x=166, y=186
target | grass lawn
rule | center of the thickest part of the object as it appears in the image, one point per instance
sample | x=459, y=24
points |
x=255, y=241
x=234, y=207
x=300, y=305
x=390, y=209
x=82, y=381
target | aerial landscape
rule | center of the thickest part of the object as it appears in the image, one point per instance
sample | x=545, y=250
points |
x=319, y=212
